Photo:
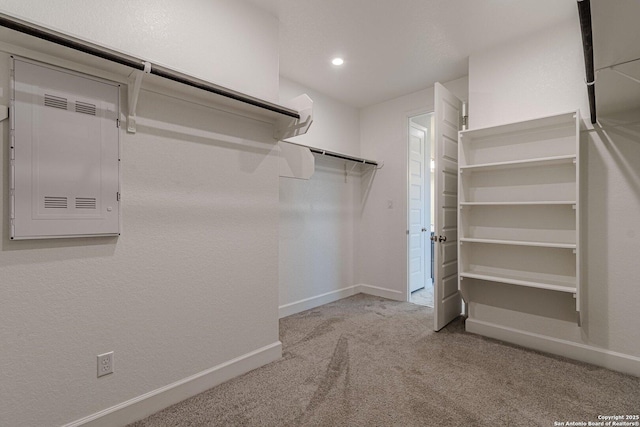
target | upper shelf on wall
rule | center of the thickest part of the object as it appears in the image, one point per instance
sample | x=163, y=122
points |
x=291, y=120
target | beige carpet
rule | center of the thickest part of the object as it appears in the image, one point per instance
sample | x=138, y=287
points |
x=367, y=361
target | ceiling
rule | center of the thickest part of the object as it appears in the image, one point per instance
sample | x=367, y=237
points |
x=395, y=47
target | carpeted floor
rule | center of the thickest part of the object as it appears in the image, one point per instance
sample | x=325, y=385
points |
x=367, y=361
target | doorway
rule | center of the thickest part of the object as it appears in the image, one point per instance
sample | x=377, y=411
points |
x=420, y=200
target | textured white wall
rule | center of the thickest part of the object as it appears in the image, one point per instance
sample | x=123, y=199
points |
x=382, y=256
x=192, y=282
x=383, y=239
x=319, y=217
x=530, y=77
x=613, y=209
x=540, y=75
x=227, y=42
x=318, y=224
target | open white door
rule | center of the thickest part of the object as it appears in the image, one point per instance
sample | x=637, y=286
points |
x=447, y=299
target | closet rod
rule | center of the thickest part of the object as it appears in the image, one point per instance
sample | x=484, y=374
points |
x=343, y=156
x=584, y=12
x=67, y=41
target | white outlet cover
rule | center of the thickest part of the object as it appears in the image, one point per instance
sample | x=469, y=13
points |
x=105, y=364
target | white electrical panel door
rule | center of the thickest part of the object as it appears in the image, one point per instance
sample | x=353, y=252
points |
x=64, y=153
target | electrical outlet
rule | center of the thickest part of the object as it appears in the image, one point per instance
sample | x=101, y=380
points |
x=105, y=364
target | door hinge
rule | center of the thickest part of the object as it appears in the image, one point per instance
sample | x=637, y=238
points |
x=118, y=196
x=118, y=123
x=465, y=116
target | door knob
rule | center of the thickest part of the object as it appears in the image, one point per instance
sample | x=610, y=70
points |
x=424, y=229
x=442, y=238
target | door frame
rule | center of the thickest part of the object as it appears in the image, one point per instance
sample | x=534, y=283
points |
x=407, y=124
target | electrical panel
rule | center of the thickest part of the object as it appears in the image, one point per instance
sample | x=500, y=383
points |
x=64, y=153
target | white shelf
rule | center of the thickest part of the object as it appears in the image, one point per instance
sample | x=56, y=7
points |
x=542, y=161
x=519, y=204
x=568, y=285
x=518, y=181
x=520, y=243
x=552, y=136
x=532, y=125
x=43, y=43
x=521, y=223
x=532, y=203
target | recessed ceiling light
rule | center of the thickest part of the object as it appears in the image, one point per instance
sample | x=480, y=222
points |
x=337, y=61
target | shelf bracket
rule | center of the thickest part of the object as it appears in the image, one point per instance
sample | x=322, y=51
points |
x=612, y=68
x=133, y=92
x=296, y=161
x=287, y=127
x=347, y=173
x=579, y=315
x=625, y=75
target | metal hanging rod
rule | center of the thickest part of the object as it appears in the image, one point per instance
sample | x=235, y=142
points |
x=584, y=12
x=138, y=64
x=334, y=154
x=343, y=157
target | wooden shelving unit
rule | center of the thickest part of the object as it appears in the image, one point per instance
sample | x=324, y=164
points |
x=519, y=204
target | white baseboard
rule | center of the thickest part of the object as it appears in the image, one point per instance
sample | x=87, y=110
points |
x=156, y=400
x=585, y=353
x=326, y=298
x=316, y=301
x=381, y=292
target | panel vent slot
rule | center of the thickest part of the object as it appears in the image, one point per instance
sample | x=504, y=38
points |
x=85, y=108
x=55, y=102
x=85, y=203
x=51, y=202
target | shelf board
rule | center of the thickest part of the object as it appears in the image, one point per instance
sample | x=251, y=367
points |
x=520, y=243
x=534, y=124
x=117, y=64
x=531, y=203
x=542, y=161
x=552, y=285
